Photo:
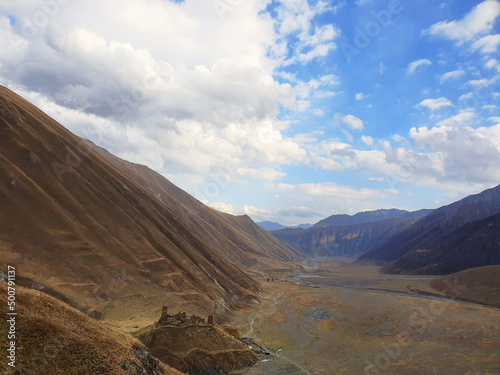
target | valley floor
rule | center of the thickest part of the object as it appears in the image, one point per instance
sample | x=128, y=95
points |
x=346, y=328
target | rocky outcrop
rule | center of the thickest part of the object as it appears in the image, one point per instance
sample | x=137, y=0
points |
x=192, y=345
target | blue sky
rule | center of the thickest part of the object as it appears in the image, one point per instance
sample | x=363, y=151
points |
x=287, y=111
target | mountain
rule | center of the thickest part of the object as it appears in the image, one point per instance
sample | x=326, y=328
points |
x=359, y=218
x=54, y=339
x=304, y=226
x=115, y=239
x=474, y=244
x=270, y=225
x=477, y=285
x=418, y=248
x=347, y=240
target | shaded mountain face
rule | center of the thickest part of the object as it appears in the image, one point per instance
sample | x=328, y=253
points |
x=474, y=244
x=418, y=248
x=359, y=218
x=111, y=237
x=347, y=240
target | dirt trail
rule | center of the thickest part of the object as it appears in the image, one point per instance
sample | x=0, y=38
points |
x=347, y=330
x=260, y=315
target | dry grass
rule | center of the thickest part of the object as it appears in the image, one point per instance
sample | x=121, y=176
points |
x=53, y=338
x=197, y=346
x=331, y=330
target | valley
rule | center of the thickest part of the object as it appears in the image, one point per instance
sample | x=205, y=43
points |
x=348, y=328
x=114, y=251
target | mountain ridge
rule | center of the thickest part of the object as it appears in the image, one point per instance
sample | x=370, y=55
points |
x=86, y=229
x=360, y=217
x=434, y=226
x=346, y=240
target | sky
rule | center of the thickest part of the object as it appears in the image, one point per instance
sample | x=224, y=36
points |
x=289, y=111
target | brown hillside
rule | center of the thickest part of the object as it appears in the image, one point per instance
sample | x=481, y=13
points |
x=52, y=338
x=478, y=285
x=234, y=236
x=191, y=345
x=75, y=224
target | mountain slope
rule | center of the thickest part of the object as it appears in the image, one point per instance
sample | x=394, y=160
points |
x=426, y=233
x=74, y=223
x=52, y=338
x=237, y=237
x=478, y=285
x=359, y=218
x=346, y=240
x=474, y=244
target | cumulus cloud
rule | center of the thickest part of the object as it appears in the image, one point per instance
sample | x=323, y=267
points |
x=204, y=98
x=466, y=154
x=313, y=41
x=435, y=104
x=479, y=20
x=353, y=122
x=461, y=119
x=414, y=65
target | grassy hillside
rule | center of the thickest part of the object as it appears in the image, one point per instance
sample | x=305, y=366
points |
x=53, y=338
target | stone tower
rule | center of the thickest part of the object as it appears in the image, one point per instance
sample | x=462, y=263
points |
x=164, y=313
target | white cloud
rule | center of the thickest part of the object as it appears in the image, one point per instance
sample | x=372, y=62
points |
x=493, y=64
x=466, y=154
x=487, y=44
x=460, y=119
x=494, y=119
x=304, y=90
x=466, y=96
x=483, y=81
x=435, y=104
x=285, y=216
x=367, y=140
x=13, y=47
x=414, y=65
x=360, y=96
x=222, y=207
x=479, y=20
x=203, y=97
x=452, y=75
x=332, y=190
x=354, y=122
x=295, y=17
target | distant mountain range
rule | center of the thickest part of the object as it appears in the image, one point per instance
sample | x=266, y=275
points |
x=359, y=218
x=271, y=225
x=452, y=238
x=367, y=230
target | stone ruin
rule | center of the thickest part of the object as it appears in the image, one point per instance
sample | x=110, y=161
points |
x=181, y=319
